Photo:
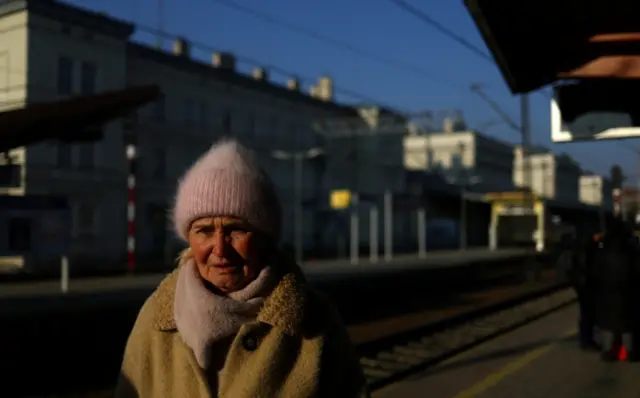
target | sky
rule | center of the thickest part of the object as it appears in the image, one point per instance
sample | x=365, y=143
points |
x=429, y=71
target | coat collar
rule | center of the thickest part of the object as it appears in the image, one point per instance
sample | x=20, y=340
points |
x=284, y=308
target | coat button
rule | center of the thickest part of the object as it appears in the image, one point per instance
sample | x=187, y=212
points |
x=250, y=342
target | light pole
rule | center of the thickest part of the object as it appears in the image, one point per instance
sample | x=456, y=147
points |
x=298, y=157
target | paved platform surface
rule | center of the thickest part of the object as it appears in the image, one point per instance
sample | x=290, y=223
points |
x=321, y=271
x=540, y=360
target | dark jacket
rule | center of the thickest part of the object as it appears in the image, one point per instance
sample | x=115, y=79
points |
x=572, y=265
x=612, y=276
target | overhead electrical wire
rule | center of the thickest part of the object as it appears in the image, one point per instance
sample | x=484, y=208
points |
x=271, y=68
x=433, y=22
x=160, y=33
x=441, y=28
x=337, y=43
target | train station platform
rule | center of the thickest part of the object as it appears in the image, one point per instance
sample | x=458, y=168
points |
x=539, y=360
x=316, y=272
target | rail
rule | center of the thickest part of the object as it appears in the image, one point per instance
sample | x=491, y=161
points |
x=395, y=357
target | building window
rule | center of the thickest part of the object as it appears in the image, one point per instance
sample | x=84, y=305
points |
x=64, y=156
x=65, y=76
x=226, y=121
x=10, y=175
x=189, y=111
x=160, y=164
x=87, y=34
x=251, y=125
x=84, y=218
x=19, y=234
x=86, y=156
x=160, y=109
x=273, y=127
x=292, y=135
x=203, y=114
x=88, y=78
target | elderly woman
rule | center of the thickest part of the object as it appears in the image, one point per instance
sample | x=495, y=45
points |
x=235, y=319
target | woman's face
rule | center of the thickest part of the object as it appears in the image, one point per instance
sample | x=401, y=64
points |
x=227, y=251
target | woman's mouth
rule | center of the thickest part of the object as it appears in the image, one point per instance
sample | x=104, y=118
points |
x=224, y=267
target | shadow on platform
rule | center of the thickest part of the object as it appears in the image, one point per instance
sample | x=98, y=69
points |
x=497, y=354
x=81, y=350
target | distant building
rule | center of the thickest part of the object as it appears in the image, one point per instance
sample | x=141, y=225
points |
x=51, y=50
x=552, y=176
x=468, y=158
x=596, y=190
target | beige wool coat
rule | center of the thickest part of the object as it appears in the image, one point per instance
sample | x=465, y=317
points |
x=298, y=347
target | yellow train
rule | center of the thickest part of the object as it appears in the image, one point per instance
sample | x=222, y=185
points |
x=522, y=219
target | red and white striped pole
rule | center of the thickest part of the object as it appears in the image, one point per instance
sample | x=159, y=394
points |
x=131, y=152
x=617, y=203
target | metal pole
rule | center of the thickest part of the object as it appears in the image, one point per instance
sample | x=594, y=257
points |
x=298, y=231
x=463, y=218
x=355, y=226
x=129, y=126
x=373, y=234
x=64, y=274
x=422, y=232
x=526, y=147
x=388, y=226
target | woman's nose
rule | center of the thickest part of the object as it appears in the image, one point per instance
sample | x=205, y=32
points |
x=219, y=244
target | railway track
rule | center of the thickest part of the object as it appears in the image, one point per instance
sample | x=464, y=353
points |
x=393, y=357
x=396, y=357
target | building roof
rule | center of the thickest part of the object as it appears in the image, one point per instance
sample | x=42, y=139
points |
x=55, y=120
x=70, y=14
x=103, y=23
x=384, y=110
x=236, y=78
x=531, y=54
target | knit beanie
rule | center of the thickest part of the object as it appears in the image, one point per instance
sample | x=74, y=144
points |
x=227, y=181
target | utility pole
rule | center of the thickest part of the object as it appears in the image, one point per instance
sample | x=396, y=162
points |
x=298, y=195
x=526, y=148
x=524, y=129
x=463, y=200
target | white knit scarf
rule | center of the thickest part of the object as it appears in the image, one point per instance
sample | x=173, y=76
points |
x=204, y=318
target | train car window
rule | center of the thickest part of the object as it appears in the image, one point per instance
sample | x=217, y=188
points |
x=19, y=234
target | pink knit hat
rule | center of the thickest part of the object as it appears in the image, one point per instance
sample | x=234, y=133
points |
x=227, y=181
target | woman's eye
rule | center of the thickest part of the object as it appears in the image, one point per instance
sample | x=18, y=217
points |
x=205, y=231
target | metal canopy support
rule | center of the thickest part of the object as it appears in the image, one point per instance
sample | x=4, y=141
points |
x=422, y=232
x=355, y=231
x=388, y=226
x=374, y=234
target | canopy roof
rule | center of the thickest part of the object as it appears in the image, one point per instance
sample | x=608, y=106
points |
x=69, y=118
x=536, y=43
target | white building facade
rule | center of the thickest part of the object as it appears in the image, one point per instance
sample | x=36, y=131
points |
x=596, y=190
x=468, y=158
x=51, y=50
x=555, y=177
